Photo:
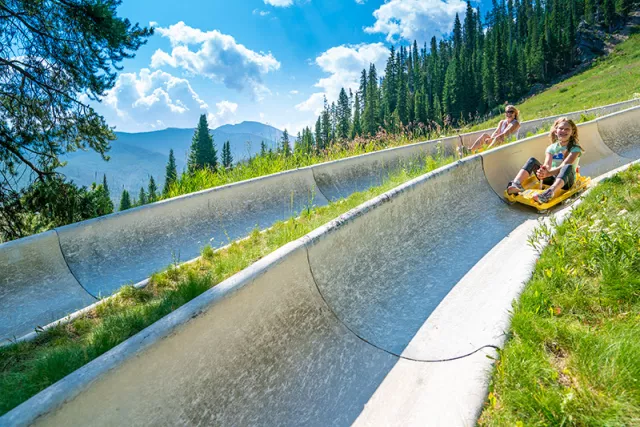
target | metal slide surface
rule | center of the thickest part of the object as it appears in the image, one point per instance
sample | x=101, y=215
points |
x=124, y=248
x=312, y=334
x=32, y=268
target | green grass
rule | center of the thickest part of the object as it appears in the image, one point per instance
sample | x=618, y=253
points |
x=573, y=356
x=27, y=368
x=610, y=79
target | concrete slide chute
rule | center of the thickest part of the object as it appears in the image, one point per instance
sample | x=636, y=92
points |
x=259, y=349
x=621, y=133
x=344, y=177
x=52, y=291
x=105, y=253
x=340, y=326
x=127, y=247
x=385, y=272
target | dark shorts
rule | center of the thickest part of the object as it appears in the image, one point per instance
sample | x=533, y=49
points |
x=566, y=174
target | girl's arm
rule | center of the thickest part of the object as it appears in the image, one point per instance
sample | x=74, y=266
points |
x=571, y=158
x=495, y=132
x=495, y=136
x=544, y=170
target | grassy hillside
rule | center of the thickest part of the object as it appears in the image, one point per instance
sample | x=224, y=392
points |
x=573, y=354
x=610, y=79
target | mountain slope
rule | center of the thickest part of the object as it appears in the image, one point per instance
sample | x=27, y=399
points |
x=136, y=156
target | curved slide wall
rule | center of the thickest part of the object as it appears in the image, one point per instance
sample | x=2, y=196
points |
x=106, y=253
x=34, y=271
x=311, y=333
x=344, y=177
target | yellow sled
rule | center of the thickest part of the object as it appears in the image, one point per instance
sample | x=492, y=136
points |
x=533, y=186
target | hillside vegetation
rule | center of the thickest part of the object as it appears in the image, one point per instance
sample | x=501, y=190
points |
x=610, y=79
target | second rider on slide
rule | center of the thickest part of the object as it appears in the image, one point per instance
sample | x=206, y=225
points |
x=507, y=127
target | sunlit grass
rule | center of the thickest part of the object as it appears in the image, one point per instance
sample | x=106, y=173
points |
x=574, y=353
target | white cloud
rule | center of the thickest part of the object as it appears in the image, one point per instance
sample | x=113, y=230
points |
x=415, y=19
x=344, y=64
x=151, y=100
x=218, y=56
x=260, y=12
x=279, y=3
x=314, y=103
x=294, y=127
x=225, y=114
x=360, y=1
x=294, y=92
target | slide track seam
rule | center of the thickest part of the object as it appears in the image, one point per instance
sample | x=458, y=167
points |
x=64, y=257
x=399, y=356
x=315, y=181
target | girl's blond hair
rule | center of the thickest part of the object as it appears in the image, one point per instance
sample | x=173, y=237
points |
x=573, y=139
x=517, y=114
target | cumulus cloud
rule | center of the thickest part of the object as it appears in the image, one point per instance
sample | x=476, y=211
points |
x=216, y=56
x=415, y=19
x=152, y=100
x=279, y=3
x=224, y=114
x=344, y=65
x=294, y=92
x=260, y=12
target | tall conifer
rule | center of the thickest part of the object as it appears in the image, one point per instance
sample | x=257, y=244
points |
x=171, y=173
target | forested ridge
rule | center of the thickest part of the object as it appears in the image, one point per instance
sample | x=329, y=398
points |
x=458, y=80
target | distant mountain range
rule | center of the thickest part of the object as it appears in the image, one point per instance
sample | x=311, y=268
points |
x=136, y=156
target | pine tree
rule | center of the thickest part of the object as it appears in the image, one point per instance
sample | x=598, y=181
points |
x=263, y=149
x=142, y=197
x=356, y=129
x=389, y=89
x=152, y=190
x=319, y=142
x=171, y=174
x=203, y=153
x=363, y=90
x=104, y=183
x=125, y=201
x=609, y=13
x=326, y=125
x=344, y=115
x=370, y=118
x=457, y=37
x=227, y=158
x=402, y=88
x=284, y=144
x=103, y=202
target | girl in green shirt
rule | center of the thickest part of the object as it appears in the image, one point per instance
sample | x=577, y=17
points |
x=560, y=165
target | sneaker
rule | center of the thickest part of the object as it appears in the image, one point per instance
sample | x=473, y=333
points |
x=514, y=187
x=544, y=197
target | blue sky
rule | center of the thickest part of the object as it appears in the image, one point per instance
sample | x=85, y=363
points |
x=264, y=60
